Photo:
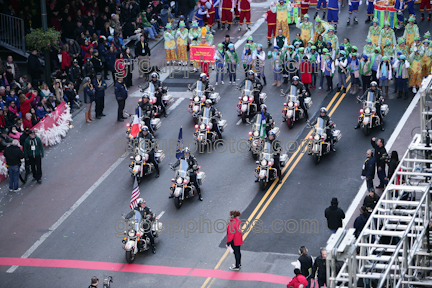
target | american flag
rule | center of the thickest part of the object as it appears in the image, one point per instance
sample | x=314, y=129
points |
x=135, y=195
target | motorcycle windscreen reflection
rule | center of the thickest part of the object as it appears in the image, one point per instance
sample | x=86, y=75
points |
x=183, y=169
x=319, y=126
x=267, y=152
x=248, y=87
x=256, y=122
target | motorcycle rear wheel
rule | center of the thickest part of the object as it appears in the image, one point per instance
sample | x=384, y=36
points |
x=130, y=256
x=316, y=158
x=366, y=130
x=263, y=184
x=177, y=202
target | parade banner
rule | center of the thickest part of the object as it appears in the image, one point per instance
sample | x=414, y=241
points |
x=386, y=13
x=202, y=53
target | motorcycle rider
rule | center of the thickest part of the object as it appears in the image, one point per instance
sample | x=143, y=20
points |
x=328, y=123
x=192, y=174
x=268, y=119
x=149, y=138
x=276, y=149
x=256, y=83
x=148, y=218
x=159, y=91
x=147, y=110
x=206, y=84
x=301, y=92
x=214, y=115
x=378, y=97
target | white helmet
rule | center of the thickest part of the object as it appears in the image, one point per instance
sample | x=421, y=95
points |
x=140, y=200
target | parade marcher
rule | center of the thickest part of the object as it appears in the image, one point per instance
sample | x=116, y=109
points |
x=410, y=6
x=386, y=34
x=193, y=166
x=328, y=69
x=320, y=266
x=342, y=65
x=245, y=13
x=369, y=48
x=209, y=36
x=159, y=91
x=370, y=10
x=194, y=33
x=305, y=264
x=347, y=46
x=290, y=64
x=315, y=60
x=298, y=280
x=320, y=44
x=247, y=58
x=354, y=70
x=100, y=86
x=360, y=221
x=319, y=29
x=226, y=42
x=401, y=47
x=320, y=3
x=33, y=153
x=306, y=28
x=170, y=45
x=401, y=67
x=258, y=58
x=426, y=55
x=399, y=6
x=270, y=17
x=374, y=32
x=199, y=14
x=331, y=37
x=282, y=18
x=276, y=63
x=256, y=84
x=380, y=158
x=146, y=214
x=417, y=45
x=305, y=70
x=415, y=70
x=235, y=238
x=334, y=215
x=368, y=171
x=228, y=7
x=388, y=50
x=121, y=94
x=220, y=63
x=376, y=59
x=146, y=111
x=251, y=43
x=231, y=59
x=411, y=31
x=365, y=71
x=378, y=100
x=425, y=4
x=210, y=16
x=384, y=74
x=301, y=93
x=276, y=147
x=280, y=40
x=299, y=40
x=89, y=92
x=217, y=14
x=182, y=35
x=304, y=7
x=333, y=13
x=353, y=9
x=148, y=137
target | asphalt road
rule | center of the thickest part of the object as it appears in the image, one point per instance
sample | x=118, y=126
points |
x=89, y=233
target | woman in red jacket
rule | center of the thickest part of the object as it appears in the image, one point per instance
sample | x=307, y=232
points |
x=25, y=102
x=306, y=72
x=66, y=59
x=235, y=238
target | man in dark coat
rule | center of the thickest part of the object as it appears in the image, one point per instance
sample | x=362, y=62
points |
x=100, y=85
x=22, y=140
x=34, y=68
x=381, y=157
x=34, y=152
x=320, y=265
x=121, y=94
x=360, y=221
x=334, y=216
x=368, y=171
x=13, y=155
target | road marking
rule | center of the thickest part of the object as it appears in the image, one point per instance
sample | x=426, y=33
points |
x=145, y=269
x=70, y=211
x=160, y=215
x=239, y=122
x=171, y=108
x=362, y=191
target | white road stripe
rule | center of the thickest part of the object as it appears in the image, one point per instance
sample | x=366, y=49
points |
x=239, y=122
x=171, y=108
x=160, y=215
x=70, y=211
x=362, y=191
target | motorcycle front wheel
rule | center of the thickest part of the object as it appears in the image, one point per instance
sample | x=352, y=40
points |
x=290, y=123
x=316, y=158
x=366, y=130
x=177, y=202
x=130, y=256
x=263, y=184
x=138, y=179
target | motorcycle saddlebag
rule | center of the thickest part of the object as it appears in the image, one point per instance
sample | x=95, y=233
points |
x=215, y=97
x=308, y=102
x=168, y=98
x=160, y=155
x=263, y=97
x=156, y=122
x=384, y=109
x=337, y=135
x=276, y=131
x=222, y=124
x=201, y=177
x=283, y=159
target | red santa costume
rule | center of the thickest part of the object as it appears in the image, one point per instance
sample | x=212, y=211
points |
x=227, y=9
x=270, y=17
x=304, y=6
x=245, y=12
x=210, y=17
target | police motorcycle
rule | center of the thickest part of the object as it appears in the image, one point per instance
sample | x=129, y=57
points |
x=199, y=97
x=136, y=238
x=292, y=109
x=246, y=107
x=142, y=116
x=182, y=188
x=255, y=140
x=203, y=130
x=265, y=171
x=140, y=165
x=368, y=118
x=319, y=142
x=166, y=98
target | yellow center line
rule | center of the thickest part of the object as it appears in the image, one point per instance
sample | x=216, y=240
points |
x=300, y=148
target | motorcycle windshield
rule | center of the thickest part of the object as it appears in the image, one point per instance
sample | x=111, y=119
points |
x=151, y=90
x=247, y=88
x=256, y=122
x=370, y=99
x=183, y=167
x=134, y=222
x=293, y=90
x=199, y=89
x=205, y=118
x=291, y=98
x=319, y=126
x=143, y=145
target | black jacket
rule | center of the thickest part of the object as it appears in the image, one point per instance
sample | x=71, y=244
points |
x=13, y=155
x=75, y=73
x=301, y=89
x=392, y=165
x=276, y=147
x=34, y=67
x=23, y=138
x=89, y=93
x=380, y=155
x=369, y=168
x=320, y=265
x=144, y=213
x=120, y=91
x=146, y=108
x=359, y=223
x=191, y=161
x=97, y=64
x=140, y=51
x=99, y=91
x=334, y=216
x=371, y=201
x=305, y=264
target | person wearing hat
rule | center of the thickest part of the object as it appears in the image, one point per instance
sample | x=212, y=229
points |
x=374, y=31
x=369, y=48
x=306, y=28
x=231, y=59
x=301, y=53
x=33, y=153
x=251, y=43
x=244, y=8
x=220, y=63
x=354, y=70
x=411, y=31
x=388, y=50
x=258, y=58
x=353, y=9
x=97, y=62
x=425, y=4
x=370, y=10
x=5, y=140
x=376, y=58
x=415, y=70
x=328, y=69
x=270, y=17
x=384, y=74
x=182, y=35
x=360, y=221
x=315, y=61
x=209, y=36
x=247, y=58
x=276, y=63
x=199, y=14
x=121, y=94
x=13, y=155
x=331, y=51
x=331, y=37
x=282, y=18
x=322, y=67
x=427, y=36
x=426, y=55
x=387, y=34
x=170, y=44
x=334, y=215
x=75, y=74
x=417, y=45
x=342, y=65
x=401, y=47
x=228, y=7
x=100, y=86
x=401, y=67
x=88, y=69
x=319, y=29
x=194, y=33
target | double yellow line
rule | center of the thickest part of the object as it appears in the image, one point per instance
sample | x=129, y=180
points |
x=272, y=193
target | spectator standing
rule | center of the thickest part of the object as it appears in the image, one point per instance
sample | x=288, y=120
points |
x=305, y=264
x=235, y=238
x=89, y=92
x=110, y=60
x=121, y=95
x=75, y=75
x=34, y=67
x=320, y=265
x=298, y=280
x=66, y=59
x=142, y=51
x=392, y=165
x=334, y=215
x=368, y=171
x=34, y=152
x=25, y=102
x=381, y=159
x=360, y=221
x=15, y=70
x=13, y=155
x=5, y=140
x=372, y=199
x=22, y=140
x=100, y=86
x=94, y=282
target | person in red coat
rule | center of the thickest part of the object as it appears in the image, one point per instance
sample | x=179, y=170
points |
x=306, y=72
x=235, y=238
x=270, y=17
x=304, y=6
x=245, y=12
x=66, y=59
x=298, y=280
x=25, y=102
x=227, y=10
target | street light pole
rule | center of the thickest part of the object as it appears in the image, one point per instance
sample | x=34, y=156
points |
x=46, y=51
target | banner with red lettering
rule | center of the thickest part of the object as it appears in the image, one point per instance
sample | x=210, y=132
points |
x=201, y=53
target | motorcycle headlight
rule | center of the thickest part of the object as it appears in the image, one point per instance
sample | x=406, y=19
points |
x=196, y=99
x=138, y=158
x=317, y=137
x=256, y=133
x=263, y=162
x=131, y=233
x=296, y=104
x=179, y=180
x=290, y=104
x=271, y=163
x=202, y=126
x=245, y=98
x=146, y=157
x=367, y=110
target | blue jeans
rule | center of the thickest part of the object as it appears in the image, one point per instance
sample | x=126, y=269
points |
x=219, y=70
x=151, y=30
x=232, y=72
x=342, y=80
x=381, y=175
x=402, y=84
x=13, y=177
x=369, y=183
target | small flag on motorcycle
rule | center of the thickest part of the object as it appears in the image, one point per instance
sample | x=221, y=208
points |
x=263, y=125
x=180, y=145
x=135, y=127
x=135, y=195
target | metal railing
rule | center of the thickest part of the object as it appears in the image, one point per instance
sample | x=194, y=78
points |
x=12, y=34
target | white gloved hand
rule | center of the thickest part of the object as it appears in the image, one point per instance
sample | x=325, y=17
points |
x=238, y=8
x=363, y=177
x=360, y=2
x=299, y=19
x=349, y=3
x=339, y=4
x=77, y=97
x=232, y=9
x=374, y=2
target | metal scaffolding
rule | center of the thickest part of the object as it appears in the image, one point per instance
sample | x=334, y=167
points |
x=394, y=247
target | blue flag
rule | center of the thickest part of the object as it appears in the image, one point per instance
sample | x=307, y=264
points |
x=263, y=126
x=180, y=145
